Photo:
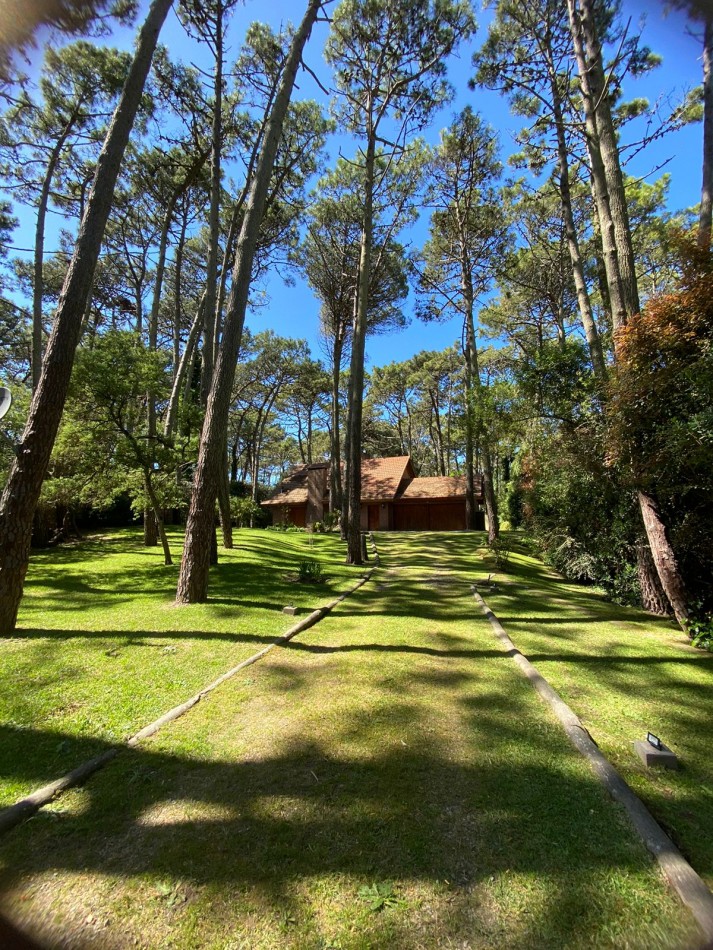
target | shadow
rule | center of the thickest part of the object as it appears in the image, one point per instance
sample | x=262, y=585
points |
x=484, y=794
x=614, y=659
x=138, y=637
x=393, y=648
x=259, y=825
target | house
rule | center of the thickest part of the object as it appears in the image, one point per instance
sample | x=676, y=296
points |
x=393, y=498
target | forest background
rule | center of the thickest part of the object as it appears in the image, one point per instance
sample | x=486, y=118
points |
x=519, y=398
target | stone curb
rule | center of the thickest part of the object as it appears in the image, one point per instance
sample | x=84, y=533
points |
x=15, y=814
x=689, y=886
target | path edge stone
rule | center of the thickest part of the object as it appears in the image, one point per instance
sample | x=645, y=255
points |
x=682, y=878
x=20, y=811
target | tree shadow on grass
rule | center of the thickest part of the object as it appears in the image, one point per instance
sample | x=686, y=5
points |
x=404, y=815
x=139, y=637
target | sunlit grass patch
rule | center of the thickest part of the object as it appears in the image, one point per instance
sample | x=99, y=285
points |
x=100, y=650
x=624, y=672
x=386, y=780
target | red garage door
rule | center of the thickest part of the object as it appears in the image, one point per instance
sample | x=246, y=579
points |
x=439, y=516
x=411, y=518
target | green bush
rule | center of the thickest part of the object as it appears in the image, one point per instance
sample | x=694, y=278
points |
x=310, y=572
x=243, y=511
x=500, y=549
x=700, y=630
x=331, y=520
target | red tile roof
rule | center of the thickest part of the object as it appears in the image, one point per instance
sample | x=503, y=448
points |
x=440, y=487
x=380, y=478
x=293, y=490
x=386, y=479
x=295, y=496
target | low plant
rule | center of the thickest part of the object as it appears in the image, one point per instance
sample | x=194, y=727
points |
x=380, y=896
x=500, y=549
x=700, y=630
x=310, y=572
x=331, y=520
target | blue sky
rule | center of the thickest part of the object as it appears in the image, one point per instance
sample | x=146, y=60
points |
x=293, y=311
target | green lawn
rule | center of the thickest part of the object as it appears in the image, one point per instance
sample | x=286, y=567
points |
x=100, y=650
x=624, y=673
x=386, y=780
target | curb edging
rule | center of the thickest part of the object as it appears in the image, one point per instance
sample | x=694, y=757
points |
x=683, y=879
x=20, y=811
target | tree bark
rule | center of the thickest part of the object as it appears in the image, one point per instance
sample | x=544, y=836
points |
x=609, y=150
x=664, y=557
x=583, y=302
x=335, y=467
x=475, y=432
x=603, y=146
x=38, y=282
x=226, y=520
x=169, y=425
x=22, y=490
x=706, y=211
x=157, y=516
x=491, y=504
x=209, y=338
x=356, y=375
x=653, y=598
x=193, y=578
x=600, y=185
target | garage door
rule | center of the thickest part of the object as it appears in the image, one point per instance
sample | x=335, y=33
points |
x=440, y=516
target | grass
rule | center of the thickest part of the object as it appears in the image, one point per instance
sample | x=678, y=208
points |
x=387, y=780
x=625, y=673
x=100, y=650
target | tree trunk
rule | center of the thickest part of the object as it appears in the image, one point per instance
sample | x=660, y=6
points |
x=491, y=505
x=598, y=111
x=653, y=598
x=475, y=431
x=169, y=425
x=38, y=283
x=704, y=221
x=27, y=473
x=151, y=532
x=335, y=467
x=356, y=375
x=193, y=578
x=209, y=338
x=583, y=302
x=600, y=186
x=178, y=293
x=157, y=517
x=226, y=520
x=664, y=557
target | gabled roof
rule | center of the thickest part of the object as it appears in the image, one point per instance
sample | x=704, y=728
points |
x=295, y=496
x=293, y=489
x=439, y=487
x=380, y=478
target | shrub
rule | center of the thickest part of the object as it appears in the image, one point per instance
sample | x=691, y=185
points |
x=500, y=550
x=331, y=520
x=700, y=630
x=310, y=572
x=244, y=510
